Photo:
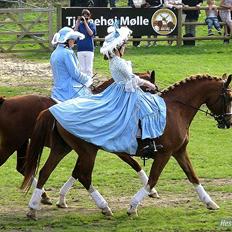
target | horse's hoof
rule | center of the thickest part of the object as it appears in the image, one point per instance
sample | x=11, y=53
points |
x=212, y=205
x=46, y=201
x=132, y=211
x=107, y=211
x=154, y=194
x=62, y=205
x=32, y=214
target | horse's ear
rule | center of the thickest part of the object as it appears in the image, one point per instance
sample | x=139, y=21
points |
x=228, y=81
x=224, y=76
x=153, y=76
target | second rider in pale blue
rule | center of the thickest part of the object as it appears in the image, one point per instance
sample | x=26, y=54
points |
x=111, y=119
x=68, y=81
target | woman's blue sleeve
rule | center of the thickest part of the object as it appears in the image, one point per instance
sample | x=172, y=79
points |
x=73, y=70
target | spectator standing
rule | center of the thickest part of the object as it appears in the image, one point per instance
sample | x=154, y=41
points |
x=85, y=47
x=136, y=4
x=153, y=4
x=172, y=4
x=191, y=16
x=226, y=41
x=225, y=13
x=212, y=17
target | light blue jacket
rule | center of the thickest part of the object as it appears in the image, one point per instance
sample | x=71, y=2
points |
x=68, y=81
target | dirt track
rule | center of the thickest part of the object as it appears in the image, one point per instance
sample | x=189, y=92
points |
x=18, y=72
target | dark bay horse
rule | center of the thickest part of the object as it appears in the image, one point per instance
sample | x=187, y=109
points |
x=17, y=119
x=183, y=101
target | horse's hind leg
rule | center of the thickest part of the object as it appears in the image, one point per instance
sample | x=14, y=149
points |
x=20, y=167
x=61, y=203
x=141, y=174
x=57, y=153
x=182, y=158
x=85, y=164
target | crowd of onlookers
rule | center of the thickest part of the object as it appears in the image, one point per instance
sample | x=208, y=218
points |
x=212, y=18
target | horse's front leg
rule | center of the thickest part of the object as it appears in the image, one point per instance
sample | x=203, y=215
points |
x=182, y=158
x=140, y=172
x=160, y=160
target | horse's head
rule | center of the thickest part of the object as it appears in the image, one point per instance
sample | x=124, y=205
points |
x=221, y=104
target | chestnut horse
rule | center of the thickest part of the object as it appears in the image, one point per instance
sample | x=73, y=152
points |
x=17, y=119
x=183, y=101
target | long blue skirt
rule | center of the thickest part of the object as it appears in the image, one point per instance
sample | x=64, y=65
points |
x=110, y=119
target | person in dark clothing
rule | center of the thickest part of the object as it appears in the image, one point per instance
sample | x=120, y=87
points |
x=112, y=3
x=191, y=15
x=154, y=3
x=130, y=3
x=100, y=3
x=135, y=43
x=81, y=3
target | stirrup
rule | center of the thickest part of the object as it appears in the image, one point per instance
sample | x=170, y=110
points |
x=149, y=150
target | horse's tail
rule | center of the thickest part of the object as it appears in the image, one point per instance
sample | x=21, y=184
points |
x=42, y=130
x=2, y=99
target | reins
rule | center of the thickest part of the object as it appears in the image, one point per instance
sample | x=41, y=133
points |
x=197, y=108
x=220, y=118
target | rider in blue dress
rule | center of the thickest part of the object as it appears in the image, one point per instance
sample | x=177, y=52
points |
x=111, y=119
x=68, y=81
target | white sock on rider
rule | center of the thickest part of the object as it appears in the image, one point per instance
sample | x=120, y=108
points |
x=34, y=184
x=67, y=186
x=34, y=202
x=138, y=197
x=98, y=198
x=203, y=195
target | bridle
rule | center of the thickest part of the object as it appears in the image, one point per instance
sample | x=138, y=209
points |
x=220, y=118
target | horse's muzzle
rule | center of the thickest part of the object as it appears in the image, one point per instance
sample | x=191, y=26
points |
x=224, y=121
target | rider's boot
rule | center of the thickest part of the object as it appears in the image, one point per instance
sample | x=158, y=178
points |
x=150, y=148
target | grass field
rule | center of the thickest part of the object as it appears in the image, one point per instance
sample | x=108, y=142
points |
x=179, y=208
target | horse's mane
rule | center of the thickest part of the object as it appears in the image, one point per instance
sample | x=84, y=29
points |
x=186, y=80
x=2, y=99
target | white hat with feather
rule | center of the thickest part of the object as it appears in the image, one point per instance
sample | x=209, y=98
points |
x=115, y=39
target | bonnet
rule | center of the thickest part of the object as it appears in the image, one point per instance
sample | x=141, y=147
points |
x=116, y=38
x=65, y=34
